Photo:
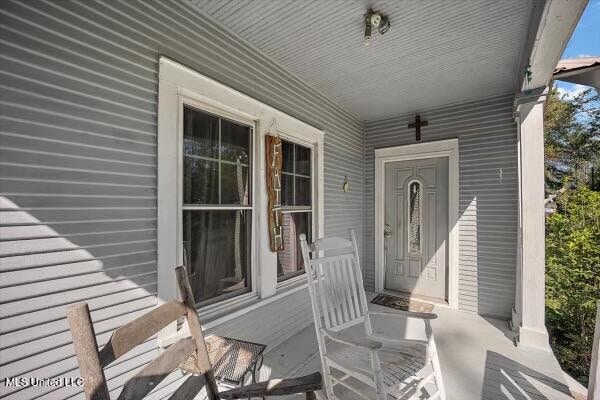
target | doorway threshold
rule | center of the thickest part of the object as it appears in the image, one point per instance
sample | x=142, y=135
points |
x=423, y=299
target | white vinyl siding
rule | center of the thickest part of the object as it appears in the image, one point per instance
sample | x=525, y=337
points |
x=78, y=153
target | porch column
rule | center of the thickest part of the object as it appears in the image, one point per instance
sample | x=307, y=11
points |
x=530, y=287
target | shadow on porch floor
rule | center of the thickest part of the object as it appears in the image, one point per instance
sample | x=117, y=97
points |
x=477, y=355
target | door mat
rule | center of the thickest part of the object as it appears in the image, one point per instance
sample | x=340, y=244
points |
x=401, y=303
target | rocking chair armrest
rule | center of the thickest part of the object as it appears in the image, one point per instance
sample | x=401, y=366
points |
x=275, y=387
x=408, y=314
x=363, y=342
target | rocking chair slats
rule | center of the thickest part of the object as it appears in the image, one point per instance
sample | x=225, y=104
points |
x=393, y=368
x=366, y=343
x=325, y=299
x=331, y=243
x=409, y=314
x=348, y=294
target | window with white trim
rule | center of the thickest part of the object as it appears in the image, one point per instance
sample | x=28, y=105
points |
x=297, y=207
x=212, y=211
x=217, y=205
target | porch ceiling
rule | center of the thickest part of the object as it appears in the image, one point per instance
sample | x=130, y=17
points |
x=435, y=53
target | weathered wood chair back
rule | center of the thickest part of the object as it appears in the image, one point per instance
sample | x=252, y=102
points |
x=336, y=287
x=92, y=362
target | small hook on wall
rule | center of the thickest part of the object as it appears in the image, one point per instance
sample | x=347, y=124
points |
x=345, y=185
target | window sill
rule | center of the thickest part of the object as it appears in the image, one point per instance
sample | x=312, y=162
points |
x=218, y=314
x=292, y=282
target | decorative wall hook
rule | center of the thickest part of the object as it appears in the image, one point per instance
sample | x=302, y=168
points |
x=528, y=73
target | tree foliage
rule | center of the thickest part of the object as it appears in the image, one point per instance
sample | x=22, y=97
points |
x=572, y=151
x=573, y=278
x=572, y=137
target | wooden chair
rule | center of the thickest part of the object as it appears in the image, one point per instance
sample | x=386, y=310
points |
x=91, y=361
x=394, y=368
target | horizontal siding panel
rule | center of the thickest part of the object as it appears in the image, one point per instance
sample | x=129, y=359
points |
x=24, y=217
x=35, y=289
x=70, y=92
x=39, y=317
x=72, y=230
x=67, y=367
x=142, y=155
x=90, y=109
x=62, y=132
x=20, y=106
x=61, y=325
x=59, y=342
x=71, y=174
x=76, y=294
x=69, y=201
x=78, y=165
x=58, y=188
x=79, y=39
x=26, y=113
x=107, y=264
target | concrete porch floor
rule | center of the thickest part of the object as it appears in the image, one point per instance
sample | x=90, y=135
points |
x=477, y=356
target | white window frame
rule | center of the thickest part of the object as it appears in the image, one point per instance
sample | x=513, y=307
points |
x=182, y=101
x=314, y=199
x=179, y=85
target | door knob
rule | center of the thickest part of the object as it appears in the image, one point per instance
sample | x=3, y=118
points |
x=387, y=231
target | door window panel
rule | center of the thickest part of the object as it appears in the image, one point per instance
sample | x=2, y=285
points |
x=414, y=216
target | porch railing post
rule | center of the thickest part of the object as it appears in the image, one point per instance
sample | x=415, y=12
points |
x=530, y=296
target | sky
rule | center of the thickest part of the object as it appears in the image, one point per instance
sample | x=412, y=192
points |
x=585, y=42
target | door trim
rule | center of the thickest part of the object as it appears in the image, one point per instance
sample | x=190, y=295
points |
x=443, y=148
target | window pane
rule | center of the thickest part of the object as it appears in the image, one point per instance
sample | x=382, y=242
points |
x=287, y=190
x=303, y=191
x=288, y=157
x=216, y=245
x=302, y=160
x=234, y=184
x=200, y=133
x=414, y=227
x=235, y=142
x=200, y=181
x=289, y=261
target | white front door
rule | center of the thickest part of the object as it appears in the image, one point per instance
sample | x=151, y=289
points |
x=416, y=227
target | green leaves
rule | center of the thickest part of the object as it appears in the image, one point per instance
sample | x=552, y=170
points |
x=573, y=278
x=572, y=137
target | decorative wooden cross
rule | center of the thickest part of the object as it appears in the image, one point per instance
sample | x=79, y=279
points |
x=417, y=125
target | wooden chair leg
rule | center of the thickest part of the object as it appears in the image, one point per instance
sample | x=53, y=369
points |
x=86, y=350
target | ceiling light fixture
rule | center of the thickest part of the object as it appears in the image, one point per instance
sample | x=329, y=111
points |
x=375, y=20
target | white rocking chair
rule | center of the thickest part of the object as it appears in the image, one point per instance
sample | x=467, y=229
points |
x=395, y=368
